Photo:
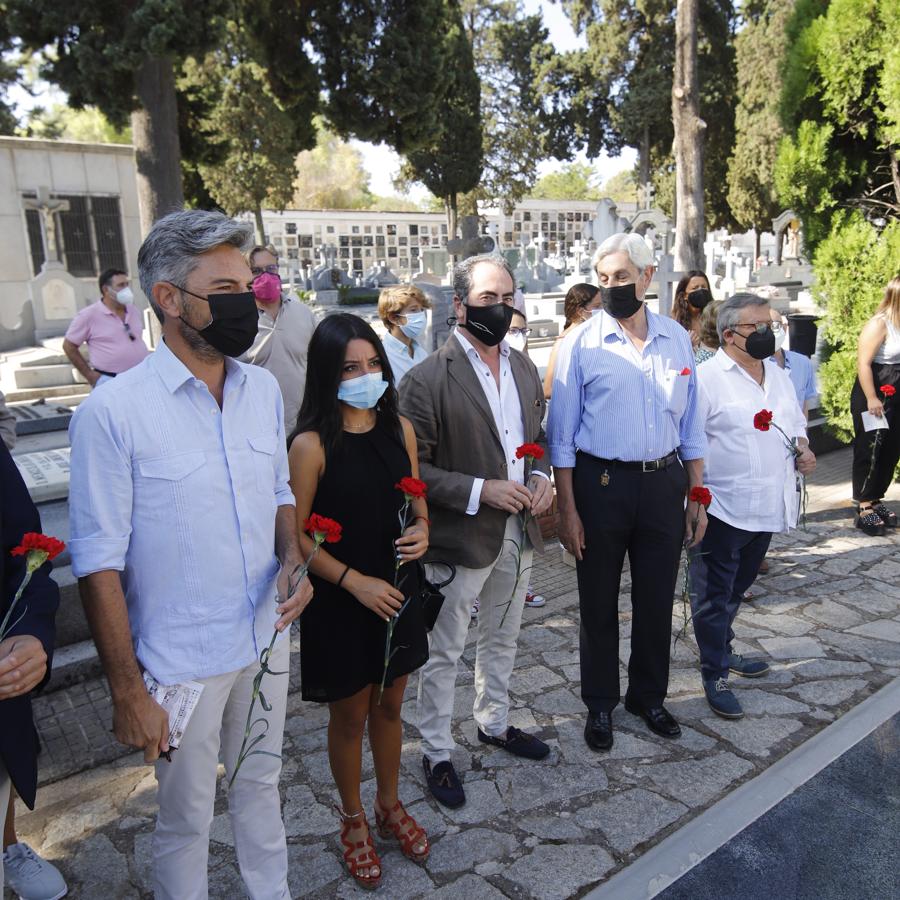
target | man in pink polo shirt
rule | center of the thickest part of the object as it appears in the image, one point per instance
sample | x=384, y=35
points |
x=111, y=328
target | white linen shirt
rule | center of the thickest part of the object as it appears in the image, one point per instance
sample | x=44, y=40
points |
x=181, y=497
x=399, y=358
x=750, y=473
x=506, y=409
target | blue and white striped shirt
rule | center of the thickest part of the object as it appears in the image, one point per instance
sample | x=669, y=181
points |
x=614, y=402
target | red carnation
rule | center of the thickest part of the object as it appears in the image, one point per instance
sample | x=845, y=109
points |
x=532, y=451
x=413, y=488
x=322, y=529
x=888, y=390
x=700, y=495
x=763, y=419
x=40, y=543
x=685, y=371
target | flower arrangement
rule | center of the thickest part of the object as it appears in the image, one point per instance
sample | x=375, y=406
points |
x=703, y=497
x=37, y=549
x=529, y=452
x=412, y=489
x=321, y=530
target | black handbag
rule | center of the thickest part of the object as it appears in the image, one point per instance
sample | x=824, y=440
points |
x=430, y=592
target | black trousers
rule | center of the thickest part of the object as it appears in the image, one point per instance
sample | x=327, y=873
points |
x=870, y=482
x=641, y=514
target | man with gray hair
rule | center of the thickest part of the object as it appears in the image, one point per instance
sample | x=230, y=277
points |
x=473, y=404
x=751, y=473
x=184, y=538
x=626, y=446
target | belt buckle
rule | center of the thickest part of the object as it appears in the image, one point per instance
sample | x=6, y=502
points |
x=650, y=466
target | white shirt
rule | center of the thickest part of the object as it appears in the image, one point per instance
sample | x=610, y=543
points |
x=506, y=409
x=399, y=358
x=181, y=497
x=750, y=473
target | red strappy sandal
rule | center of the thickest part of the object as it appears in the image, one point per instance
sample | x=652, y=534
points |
x=355, y=863
x=406, y=830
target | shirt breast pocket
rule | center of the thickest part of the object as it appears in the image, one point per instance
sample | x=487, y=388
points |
x=262, y=457
x=676, y=390
x=167, y=483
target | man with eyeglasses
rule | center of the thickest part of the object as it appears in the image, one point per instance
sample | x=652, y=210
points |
x=626, y=446
x=184, y=541
x=286, y=326
x=112, y=329
x=751, y=473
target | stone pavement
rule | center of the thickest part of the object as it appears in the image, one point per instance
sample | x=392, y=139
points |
x=828, y=614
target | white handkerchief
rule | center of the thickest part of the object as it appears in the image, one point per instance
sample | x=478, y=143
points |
x=873, y=423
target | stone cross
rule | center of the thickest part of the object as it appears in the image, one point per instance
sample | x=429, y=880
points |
x=471, y=243
x=646, y=194
x=46, y=207
x=665, y=277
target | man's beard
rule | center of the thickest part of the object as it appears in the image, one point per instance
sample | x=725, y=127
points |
x=200, y=347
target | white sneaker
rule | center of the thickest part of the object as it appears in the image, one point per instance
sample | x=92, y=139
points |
x=533, y=600
x=31, y=877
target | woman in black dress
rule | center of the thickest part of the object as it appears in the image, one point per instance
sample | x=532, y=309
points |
x=349, y=451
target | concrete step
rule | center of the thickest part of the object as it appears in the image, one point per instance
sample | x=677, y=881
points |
x=72, y=665
x=47, y=376
x=62, y=395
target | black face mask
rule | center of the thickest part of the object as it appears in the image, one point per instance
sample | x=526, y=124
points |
x=488, y=323
x=235, y=321
x=621, y=301
x=699, y=298
x=759, y=346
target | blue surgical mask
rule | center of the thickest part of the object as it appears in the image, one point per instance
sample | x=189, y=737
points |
x=415, y=324
x=363, y=392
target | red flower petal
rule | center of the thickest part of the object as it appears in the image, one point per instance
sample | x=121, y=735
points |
x=533, y=451
x=40, y=542
x=412, y=487
x=685, y=371
x=321, y=525
x=700, y=495
x=762, y=420
x=888, y=390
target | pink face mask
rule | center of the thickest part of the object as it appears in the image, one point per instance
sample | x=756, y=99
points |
x=267, y=287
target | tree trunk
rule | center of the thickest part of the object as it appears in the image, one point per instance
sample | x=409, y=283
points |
x=688, y=144
x=450, y=204
x=260, y=225
x=757, y=247
x=644, y=156
x=157, y=152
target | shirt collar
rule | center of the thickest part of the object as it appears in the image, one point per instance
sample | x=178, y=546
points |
x=610, y=326
x=470, y=348
x=174, y=373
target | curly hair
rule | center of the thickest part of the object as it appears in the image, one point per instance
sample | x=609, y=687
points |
x=681, y=309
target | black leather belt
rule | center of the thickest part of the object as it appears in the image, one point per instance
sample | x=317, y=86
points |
x=650, y=465
x=107, y=374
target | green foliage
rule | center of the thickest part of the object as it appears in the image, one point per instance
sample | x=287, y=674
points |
x=350, y=296
x=331, y=175
x=617, y=92
x=59, y=122
x=760, y=48
x=452, y=164
x=574, y=181
x=621, y=187
x=853, y=265
x=395, y=204
x=840, y=106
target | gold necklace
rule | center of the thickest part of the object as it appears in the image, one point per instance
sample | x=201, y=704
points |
x=359, y=427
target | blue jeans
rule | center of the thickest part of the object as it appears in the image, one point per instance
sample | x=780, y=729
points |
x=722, y=568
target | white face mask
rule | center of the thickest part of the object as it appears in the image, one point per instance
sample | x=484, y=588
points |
x=415, y=324
x=125, y=295
x=516, y=341
x=780, y=337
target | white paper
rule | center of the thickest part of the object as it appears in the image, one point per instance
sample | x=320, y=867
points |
x=178, y=700
x=874, y=423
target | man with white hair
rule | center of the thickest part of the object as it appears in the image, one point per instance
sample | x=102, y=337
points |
x=626, y=445
x=184, y=539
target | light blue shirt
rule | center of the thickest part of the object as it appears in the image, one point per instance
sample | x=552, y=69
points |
x=181, y=498
x=614, y=402
x=399, y=358
x=800, y=369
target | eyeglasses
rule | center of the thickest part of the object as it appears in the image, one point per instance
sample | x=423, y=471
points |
x=131, y=337
x=264, y=270
x=758, y=327
x=522, y=331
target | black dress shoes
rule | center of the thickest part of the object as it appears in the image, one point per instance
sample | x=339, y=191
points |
x=659, y=720
x=598, y=731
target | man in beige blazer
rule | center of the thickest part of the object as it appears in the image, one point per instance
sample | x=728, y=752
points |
x=472, y=403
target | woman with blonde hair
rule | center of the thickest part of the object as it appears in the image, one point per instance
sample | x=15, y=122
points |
x=401, y=309
x=875, y=453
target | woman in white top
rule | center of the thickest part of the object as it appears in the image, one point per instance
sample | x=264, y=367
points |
x=401, y=308
x=875, y=453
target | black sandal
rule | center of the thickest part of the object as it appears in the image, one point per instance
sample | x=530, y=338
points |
x=887, y=516
x=869, y=522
